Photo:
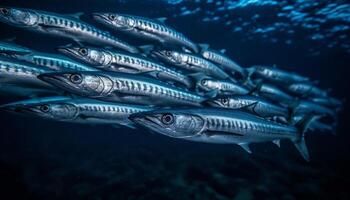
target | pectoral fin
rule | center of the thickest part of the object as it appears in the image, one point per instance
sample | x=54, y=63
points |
x=246, y=147
x=277, y=142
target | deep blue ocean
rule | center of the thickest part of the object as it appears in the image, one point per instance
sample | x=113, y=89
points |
x=41, y=159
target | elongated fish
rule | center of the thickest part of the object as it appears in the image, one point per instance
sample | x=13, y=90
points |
x=55, y=62
x=220, y=59
x=117, y=61
x=253, y=104
x=222, y=126
x=273, y=93
x=68, y=26
x=306, y=90
x=13, y=50
x=85, y=111
x=190, y=62
x=274, y=74
x=121, y=87
x=21, y=73
x=150, y=29
x=305, y=107
x=327, y=101
x=212, y=87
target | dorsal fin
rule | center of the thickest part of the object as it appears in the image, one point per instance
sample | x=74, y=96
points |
x=245, y=146
x=204, y=46
x=161, y=19
x=222, y=51
x=76, y=15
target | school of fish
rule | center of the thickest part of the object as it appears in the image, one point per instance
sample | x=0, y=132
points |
x=171, y=85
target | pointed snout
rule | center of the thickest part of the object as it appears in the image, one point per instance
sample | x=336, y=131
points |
x=52, y=78
x=101, y=17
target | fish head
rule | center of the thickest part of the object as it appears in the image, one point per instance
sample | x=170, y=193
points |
x=55, y=111
x=93, y=56
x=221, y=102
x=119, y=21
x=81, y=83
x=169, y=56
x=18, y=17
x=207, y=84
x=172, y=123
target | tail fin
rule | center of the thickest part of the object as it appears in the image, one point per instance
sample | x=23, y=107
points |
x=299, y=142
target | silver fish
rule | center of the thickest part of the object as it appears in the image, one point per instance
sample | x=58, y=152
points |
x=212, y=87
x=220, y=59
x=85, y=111
x=222, y=126
x=305, y=107
x=273, y=94
x=21, y=73
x=13, y=50
x=306, y=90
x=68, y=26
x=128, y=63
x=317, y=125
x=253, y=104
x=274, y=74
x=150, y=29
x=55, y=62
x=327, y=101
x=121, y=87
x=190, y=62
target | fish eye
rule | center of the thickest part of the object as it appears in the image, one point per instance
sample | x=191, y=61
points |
x=76, y=78
x=83, y=51
x=112, y=17
x=168, y=53
x=167, y=119
x=5, y=11
x=204, y=82
x=224, y=101
x=45, y=108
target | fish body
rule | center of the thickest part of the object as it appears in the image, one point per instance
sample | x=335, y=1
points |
x=305, y=107
x=220, y=126
x=85, y=111
x=121, y=87
x=306, y=90
x=275, y=75
x=225, y=62
x=190, y=62
x=328, y=102
x=18, y=73
x=13, y=50
x=218, y=87
x=55, y=62
x=273, y=94
x=61, y=25
x=252, y=104
x=145, y=28
x=117, y=61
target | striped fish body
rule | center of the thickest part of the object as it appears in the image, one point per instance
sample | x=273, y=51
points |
x=127, y=63
x=55, y=62
x=226, y=63
x=21, y=74
x=63, y=26
x=145, y=28
x=13, y=50
x=306, y=90
x=274, y=94
x=222, y=87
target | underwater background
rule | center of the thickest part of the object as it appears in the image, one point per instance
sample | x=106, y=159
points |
x=42, y=159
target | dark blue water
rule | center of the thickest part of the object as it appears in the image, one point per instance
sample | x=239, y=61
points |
x=50, y=160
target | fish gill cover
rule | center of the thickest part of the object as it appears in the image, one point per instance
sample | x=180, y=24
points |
x=137, y=71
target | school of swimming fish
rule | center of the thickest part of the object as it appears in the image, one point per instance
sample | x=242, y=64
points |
x=172, y=86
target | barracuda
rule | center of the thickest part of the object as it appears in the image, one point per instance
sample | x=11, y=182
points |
x=55, y=62
x=121, y=87
x=128, y=63
x=190, y=62
x=212, y=87
x=328, y=102
x=85, y=111
x=273, y=93
x=304, y=107
x=306, y=90
x=275, y=75
x=145, y=28
x=255, y=105
x=13, y=50
x=222, y=126
x=225, y=62
x=69, y=26
x=21, y=74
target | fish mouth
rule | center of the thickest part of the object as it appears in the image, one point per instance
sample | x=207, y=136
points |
x=212, y=103
x=54, y=79
x=145, y=121
x=66, y=50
